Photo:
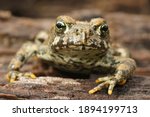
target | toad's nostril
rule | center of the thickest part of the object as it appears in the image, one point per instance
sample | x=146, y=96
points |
x=76, y=30
x=90, y=32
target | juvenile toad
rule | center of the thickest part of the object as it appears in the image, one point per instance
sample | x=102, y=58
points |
x=77, y=47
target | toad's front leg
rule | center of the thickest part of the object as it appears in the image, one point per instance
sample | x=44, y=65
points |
x=124, y=69
x=27, y=50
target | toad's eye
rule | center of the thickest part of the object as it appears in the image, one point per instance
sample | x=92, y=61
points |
x=104, y=28
x=60, y=26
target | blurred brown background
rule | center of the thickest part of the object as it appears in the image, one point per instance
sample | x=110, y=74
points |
x=53, y=8
x=20, y=21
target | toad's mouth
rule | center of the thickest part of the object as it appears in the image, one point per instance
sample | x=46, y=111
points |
x=79, y=47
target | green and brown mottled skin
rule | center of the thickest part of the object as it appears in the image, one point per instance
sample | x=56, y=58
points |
x=79, y=47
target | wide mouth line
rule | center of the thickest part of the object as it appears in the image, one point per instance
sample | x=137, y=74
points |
x=80, y=45
x=77, y=47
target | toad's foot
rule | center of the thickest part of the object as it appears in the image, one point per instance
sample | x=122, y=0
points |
x=109, y=81
x=15, y=75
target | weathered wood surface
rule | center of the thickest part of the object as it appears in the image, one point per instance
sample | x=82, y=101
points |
x=133, y=31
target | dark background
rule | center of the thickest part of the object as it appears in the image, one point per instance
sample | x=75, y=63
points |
x=53, y=8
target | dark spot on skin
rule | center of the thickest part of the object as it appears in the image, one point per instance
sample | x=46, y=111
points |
x=81, y=59
x=53, y=56
x=89, y=60
x=90, y=32
x=76, y=30
x=21, y=58
x=60, y=57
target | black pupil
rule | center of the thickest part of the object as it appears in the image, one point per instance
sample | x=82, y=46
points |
x=60, y=25
x=104, y=27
